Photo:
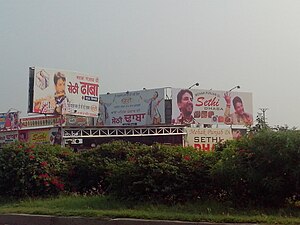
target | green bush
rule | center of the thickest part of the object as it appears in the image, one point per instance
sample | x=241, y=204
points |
x=29, y=170
x=160, y=173
x=263, y=169
x=91, y=169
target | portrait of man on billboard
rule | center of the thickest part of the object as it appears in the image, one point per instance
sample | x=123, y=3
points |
x=61, y=92
x=239, y=116
x=186, y=106
x=56, y=104
x=61, y=100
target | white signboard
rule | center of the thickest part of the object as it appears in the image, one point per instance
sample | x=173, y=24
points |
x=8, y=137
x=206, y=138
x=65, y=92
x=146, y=107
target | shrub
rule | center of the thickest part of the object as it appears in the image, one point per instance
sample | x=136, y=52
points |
x=160, y=173
x=261, y=170
x=29, y=170
x=90, y=169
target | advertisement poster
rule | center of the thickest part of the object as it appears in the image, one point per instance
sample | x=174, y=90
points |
x=9, y=121
x=41, y=121
x=206, y=138
x=192, y=106
x=41, y=136
x=64, y=92
x=78, y=121
x=56, y=120
x=8, y=137
x=146, y=107
x=238, y=133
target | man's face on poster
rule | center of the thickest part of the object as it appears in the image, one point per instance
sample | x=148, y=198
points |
x=60, y=86
x=186, y=104
x=239, y=108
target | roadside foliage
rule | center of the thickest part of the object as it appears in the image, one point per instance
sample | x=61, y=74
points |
x=260, y=169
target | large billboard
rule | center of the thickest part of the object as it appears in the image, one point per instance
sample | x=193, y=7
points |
x=53, y=91
x=146, y=107
x=206, y=138
x=192, y=106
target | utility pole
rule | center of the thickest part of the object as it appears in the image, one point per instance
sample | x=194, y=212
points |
x=264, y=115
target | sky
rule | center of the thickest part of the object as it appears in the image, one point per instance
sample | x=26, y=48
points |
x=136, y=44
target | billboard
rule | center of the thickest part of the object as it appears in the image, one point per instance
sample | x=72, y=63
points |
x=9, y=120
x=146, y=107
x=40, y=121
x=78, y=121
x=56, y=120
x=60, y=92
x=41, y=136
x=238, y=133
x=206, y=138
x=192, y=106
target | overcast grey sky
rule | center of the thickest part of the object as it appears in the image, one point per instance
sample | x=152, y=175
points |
x=131, y=44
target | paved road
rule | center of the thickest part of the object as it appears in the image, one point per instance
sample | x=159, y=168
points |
x=22, y=219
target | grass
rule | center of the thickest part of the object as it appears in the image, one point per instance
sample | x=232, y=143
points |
x=105, y=207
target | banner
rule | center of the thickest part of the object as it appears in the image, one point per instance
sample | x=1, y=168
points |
x=56, y=120
x=237, y=133
x=41, y=136
x=9, y=121
x=63, y=92
x=191, y=106
x=206, y=138
x=78, y=121
x=8, y=137
x=146, y=107
x=41, y=121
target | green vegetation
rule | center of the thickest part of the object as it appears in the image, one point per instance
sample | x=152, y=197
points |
x=253, y=179
x=105, y=207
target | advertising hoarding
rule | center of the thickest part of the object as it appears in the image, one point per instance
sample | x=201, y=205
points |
x=40, y=121
x=146, y=107
x=78, y=121
x=56, y=120
x=206, y=138
x=53, y=91
x=41, y=136
x=9, y=121
x=192, y=106
x=8, y=137
x=238, y=133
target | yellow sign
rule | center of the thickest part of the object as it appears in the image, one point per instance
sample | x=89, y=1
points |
x=39, y=136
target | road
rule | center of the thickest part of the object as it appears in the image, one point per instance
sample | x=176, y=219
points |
x=24, y=219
